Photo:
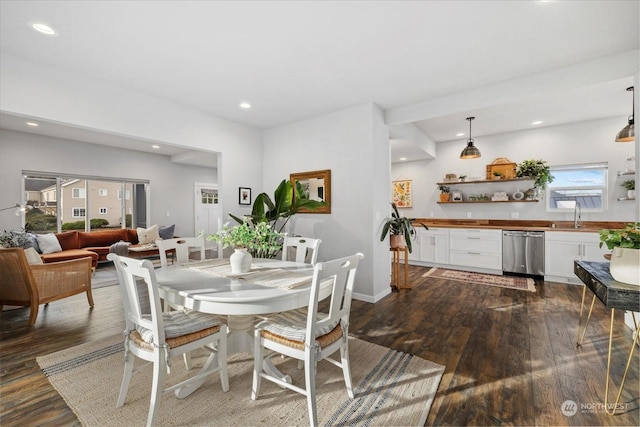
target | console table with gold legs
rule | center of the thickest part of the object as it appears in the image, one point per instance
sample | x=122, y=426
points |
x=395, y=269
x=614, y=295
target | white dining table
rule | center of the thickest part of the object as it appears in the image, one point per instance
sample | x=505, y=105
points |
x=240, y=298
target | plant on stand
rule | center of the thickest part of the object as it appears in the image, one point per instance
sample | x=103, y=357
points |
x=400, y=229
x=539, y=171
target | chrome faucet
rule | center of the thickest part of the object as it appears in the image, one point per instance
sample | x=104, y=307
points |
x=577, y=213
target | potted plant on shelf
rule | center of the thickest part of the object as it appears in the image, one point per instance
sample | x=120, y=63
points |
x=497, y=175
x=625, y=257
x=444, y=193
x=462, y=178
x=400, y=229
x=539, y=171
x=630, y=186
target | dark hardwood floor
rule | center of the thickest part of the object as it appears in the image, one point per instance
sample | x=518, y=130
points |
x=510, y=355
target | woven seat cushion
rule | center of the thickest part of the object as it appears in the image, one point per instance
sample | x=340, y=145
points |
x=292, y=325
x=178, y=323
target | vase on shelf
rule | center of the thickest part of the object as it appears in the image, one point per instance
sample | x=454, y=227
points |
x=631, y=194
x=240, y=261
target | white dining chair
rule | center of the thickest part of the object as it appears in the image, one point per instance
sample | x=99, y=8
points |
x=302, y=246
x=182, y=247
x=307, y=335
x=158, y=337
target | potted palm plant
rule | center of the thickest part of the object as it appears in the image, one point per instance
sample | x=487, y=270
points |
x=400, y=230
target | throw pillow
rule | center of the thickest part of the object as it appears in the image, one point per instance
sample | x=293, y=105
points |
x=148, y=235
x=167, y=232
x=32, y=242
x=48, y=243
x=33, y=257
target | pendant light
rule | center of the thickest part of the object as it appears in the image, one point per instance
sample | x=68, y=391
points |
x=628, y=134
x=470, y=151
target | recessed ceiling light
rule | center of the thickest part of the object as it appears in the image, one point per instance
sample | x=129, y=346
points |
x=402, y=159
x=245, y=105
x=32, y=124
x=42, y=28
x=460, y=134
x=537, y=122
x=155, y=146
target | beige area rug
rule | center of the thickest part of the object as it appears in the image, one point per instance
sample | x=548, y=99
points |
x=392, y=389
x=511, y=282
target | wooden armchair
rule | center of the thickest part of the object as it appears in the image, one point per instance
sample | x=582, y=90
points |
x=31, y=285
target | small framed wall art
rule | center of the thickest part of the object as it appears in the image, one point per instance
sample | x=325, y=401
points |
x=456, y=196
x=402, y=193
x=244, y=196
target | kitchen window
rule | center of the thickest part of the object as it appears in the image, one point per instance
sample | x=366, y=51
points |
x=585, y=184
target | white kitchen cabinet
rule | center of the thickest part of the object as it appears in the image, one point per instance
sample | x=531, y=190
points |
x=434, y=245
x=562, y=248
x=476, y=248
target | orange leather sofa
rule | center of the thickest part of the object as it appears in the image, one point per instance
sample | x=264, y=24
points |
x=95, y=244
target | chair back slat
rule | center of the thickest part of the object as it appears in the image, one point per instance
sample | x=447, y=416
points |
x=306, y=249
x=342, y=273
x=182, y=247
x=140, y=295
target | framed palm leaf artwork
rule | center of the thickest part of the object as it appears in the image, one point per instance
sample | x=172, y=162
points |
x=402, y=192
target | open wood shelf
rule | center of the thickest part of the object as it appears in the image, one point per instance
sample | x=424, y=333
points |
x=484, y=181
x=489, y=201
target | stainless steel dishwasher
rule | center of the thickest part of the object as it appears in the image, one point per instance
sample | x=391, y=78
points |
x=523, y=252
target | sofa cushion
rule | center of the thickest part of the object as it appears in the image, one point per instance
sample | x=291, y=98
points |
x=148, y=235
x=101, y=238
x=33, y=257
x=68, y=240
x=70, y=254
x=167, y=232
x=32, y=242
x=133, y=236
x=49, y=243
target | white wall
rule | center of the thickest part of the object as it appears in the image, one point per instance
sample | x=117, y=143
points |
x=353, y=143
x=584, y=142
x=57, y=95
x=171, y=184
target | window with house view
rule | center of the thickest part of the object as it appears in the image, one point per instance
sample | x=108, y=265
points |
x=83, y=203
x=585, y=184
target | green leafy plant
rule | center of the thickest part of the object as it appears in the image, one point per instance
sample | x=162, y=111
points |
x=262, y=231
x=462, y=178
x=538, y=170
x=399, y=225
x=629, y=184
x=444, y=189
x=628, y=237
x=13, y=238
x=259, y=239
x=283, y=206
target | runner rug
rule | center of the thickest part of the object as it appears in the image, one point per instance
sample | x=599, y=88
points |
x=511, y=282
x=391, y=388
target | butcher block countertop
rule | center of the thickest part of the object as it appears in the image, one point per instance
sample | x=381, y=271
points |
x=523, y=225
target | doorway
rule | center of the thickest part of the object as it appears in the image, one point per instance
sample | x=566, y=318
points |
x=207, y=211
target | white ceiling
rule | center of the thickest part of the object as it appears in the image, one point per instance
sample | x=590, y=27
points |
x=423, y=61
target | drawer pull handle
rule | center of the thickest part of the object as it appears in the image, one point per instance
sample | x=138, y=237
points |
x=473, y=238
x=473, y=253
